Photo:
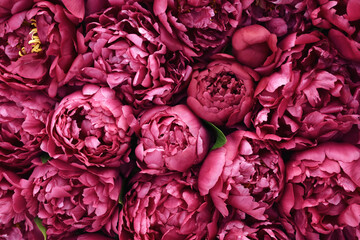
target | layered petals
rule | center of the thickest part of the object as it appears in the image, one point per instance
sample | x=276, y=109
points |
x=171, y=138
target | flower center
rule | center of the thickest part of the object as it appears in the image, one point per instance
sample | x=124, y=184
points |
x=34, y=42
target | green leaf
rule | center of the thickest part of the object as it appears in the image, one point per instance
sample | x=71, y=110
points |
x=122, y=193
x=40, y=226
x=45, y=157
x=220, y=136
x=121, y=197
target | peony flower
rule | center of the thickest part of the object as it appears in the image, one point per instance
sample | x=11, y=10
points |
x=280, y=17
x=20, y=232
x=9, y=8
x=92, y=125
x=321, y=192
x=222, y=93
x=96, y=6
x=171, y=138
x=325, y=14
x=311, y=98
x=12, y=203
x=22, y=119
x=202, y=27
x=246, y=174
x=238, y=226
x=127, y=54
x=39, y=44
x=167, y=207
x=68, y=197
x=236, y=229
x=255, y=47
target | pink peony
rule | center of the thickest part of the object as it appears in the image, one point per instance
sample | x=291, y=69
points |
x=222, y=93
x=128, y=55
x=255, y=47
x=19, y=231
x=39, y=44
x=22, y=119
x=246, y=174
x=202, y=27
x=12, y=204
x=236, y=229
x=92, y=125
x=171, y=138
x=326, y=14
x=238, y=226
x=9, y=8
x=311, y=99
x=70, y=197
x=167, y=207
x=280, y=17
x=321, y=192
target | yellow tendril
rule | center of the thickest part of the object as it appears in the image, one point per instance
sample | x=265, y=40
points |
x=22, y=52
x=34, y=42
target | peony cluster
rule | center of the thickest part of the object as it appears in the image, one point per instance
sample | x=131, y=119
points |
x=173, y=120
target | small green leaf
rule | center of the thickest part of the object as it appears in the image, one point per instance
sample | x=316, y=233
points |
x=45, y=157
x=122, y=193
x=40, y=226
x=121, y=197
x=220, y=136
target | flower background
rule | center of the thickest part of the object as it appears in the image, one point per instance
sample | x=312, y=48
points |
x=187, y=119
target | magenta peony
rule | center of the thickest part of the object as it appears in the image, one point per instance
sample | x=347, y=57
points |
x=326, y=14
x=246, y=174
x=311, y=99
x=19, y=231
x=39, y=44
x=236, y=229
x=280, y=17
x=238, y=226
x=255, y=47
x=92, y=125
x=167, y=207
x=22, y=126
x=171, y=138
x=222, y=93
x=69, y=197
x=321, y=192
x=197, y=27
x=12, y=204
x=128, y=55
x=9, y=8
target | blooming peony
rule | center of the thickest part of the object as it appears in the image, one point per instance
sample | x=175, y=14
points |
x=321, y=192
x=22, y=119
x=202, y=27
x=167, y=207
x=92, y=125
x=311, y=99
x=128, y=55
x=12, y=204
x=223, y=92
x=171, y=138
x=280, y=17
x=246, y=174
x=39, y=43
x=237, y=225
x=69, y=197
